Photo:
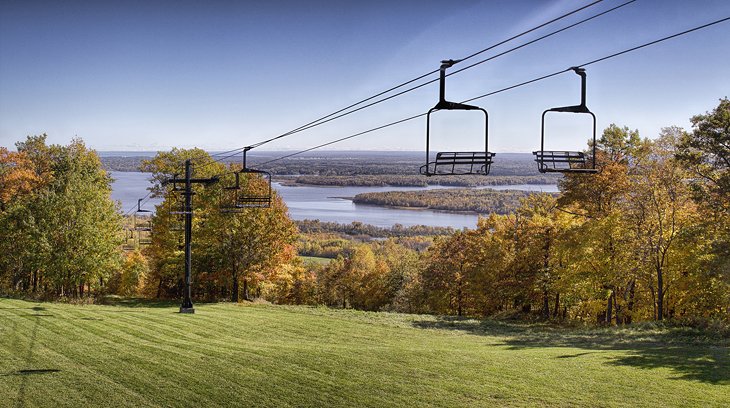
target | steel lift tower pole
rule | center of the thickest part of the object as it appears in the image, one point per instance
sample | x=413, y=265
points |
x=187, y=303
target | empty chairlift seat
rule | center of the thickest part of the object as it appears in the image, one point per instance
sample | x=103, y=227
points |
x=255, y=193
x=258, y=196
x=455, y=163
x=563, y=161
x=143, y=227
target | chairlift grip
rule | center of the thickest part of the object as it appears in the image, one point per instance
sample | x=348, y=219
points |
x=245, y=150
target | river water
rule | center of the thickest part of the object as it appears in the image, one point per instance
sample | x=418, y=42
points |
x=328, y=203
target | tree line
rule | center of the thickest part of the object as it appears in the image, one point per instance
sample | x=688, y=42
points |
x=368, y=231
x=482, y=201
x=647, y=238
x=413, y=180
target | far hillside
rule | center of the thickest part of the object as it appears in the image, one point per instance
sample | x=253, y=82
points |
x=363, y=168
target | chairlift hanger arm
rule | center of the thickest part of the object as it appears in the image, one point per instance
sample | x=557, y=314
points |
x=443, y=103
x=582, y=108
x=245, y=151
x=139, y=207
x=446, y=105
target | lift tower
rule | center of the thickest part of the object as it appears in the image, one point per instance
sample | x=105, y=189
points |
x=187, y=192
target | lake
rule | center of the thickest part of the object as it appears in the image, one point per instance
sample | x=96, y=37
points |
x=328, y=203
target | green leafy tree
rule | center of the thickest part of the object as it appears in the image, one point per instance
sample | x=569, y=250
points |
x=706, y=152
x=233, y=251
x=600, y=256
x=69, y=228
x=660, y=203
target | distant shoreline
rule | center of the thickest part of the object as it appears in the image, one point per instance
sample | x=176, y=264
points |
x=291, y=181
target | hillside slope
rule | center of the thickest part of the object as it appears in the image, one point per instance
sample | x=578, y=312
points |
x=146, y=354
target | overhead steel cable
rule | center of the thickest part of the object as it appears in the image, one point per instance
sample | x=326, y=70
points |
x=540, y=78
x=616, y=54
x=537, y=39
x=514, y=37
x=657, y=41
x=597, y=60
x=136, y=206
x=345, y=138
x=458, y=70
x=530, y=30
x=221, y=153
x=344, y=111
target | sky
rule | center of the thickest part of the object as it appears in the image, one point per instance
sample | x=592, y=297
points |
x=152, y=75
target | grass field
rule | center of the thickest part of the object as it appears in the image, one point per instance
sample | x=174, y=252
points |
x=141, y=354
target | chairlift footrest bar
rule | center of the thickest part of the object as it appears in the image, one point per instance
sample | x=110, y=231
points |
x=567, y=170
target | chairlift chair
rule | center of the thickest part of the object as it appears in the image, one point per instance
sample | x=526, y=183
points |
x=144, y=240
x=549, y=161
x=455, y=163
x=237, y=197
x=253, y=199
x=144, y=227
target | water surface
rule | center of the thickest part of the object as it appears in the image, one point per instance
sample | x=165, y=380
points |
x=329, y=204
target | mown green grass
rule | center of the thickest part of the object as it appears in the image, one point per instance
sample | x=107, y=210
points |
x=145, y=354
x=316, y=259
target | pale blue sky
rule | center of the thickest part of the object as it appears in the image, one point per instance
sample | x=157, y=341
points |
x=223, y=74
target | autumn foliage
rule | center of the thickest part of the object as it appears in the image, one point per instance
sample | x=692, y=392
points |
x=647, y=238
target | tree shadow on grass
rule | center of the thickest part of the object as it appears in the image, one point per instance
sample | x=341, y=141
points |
x=32, y=372
x=126, y=302
x=690, y=353
x=474, y=326
x=36, y=308
x=139, y=302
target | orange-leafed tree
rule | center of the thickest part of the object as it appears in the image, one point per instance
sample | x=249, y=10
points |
x=17, y=176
